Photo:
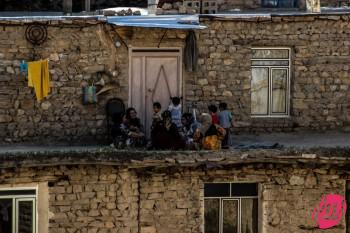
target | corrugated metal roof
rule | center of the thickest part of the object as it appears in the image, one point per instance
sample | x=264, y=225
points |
x=160, y=21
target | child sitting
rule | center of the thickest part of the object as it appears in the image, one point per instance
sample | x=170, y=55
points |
x=157, y=115
x=176, y=111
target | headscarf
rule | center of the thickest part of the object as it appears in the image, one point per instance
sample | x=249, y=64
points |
x=205, y=120
x=189, y=120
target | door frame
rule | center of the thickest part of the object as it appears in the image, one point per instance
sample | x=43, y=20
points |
x=165, y=50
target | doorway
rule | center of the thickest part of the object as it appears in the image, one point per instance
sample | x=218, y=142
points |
x=155, y=76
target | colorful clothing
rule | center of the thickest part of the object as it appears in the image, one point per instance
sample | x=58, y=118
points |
x=212, y=139
x=214, y=118
x=38, y=77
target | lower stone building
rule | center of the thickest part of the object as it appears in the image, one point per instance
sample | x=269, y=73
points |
x=266, y=191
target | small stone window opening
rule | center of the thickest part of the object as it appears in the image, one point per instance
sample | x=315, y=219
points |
x=230, y=207
x=279, y=3
x=18, y=211
x=347, y=197
x=270, y=82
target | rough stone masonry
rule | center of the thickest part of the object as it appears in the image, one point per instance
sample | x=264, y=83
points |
x=150, y=192
x=320, y=68
x=83, y=51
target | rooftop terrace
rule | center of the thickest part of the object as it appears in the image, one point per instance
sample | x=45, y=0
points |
x=314, y=148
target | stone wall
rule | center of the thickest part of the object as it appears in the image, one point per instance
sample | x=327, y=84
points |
x=225, y=5
x=320, y=69
x=101, y=198
x=335, y=3
x=77, y=57
x=254, y=4
x=79, y=54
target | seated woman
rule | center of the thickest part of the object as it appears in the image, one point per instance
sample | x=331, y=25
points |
x=208, y=136
x=165, y=134
x=189, y=127
x=132, y=129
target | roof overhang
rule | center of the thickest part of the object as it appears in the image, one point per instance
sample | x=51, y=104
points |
x=160, y=21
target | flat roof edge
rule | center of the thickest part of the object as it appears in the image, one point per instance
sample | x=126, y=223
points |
x=271, y=16
x=142, y=159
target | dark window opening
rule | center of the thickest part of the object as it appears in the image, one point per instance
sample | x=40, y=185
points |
x=78, y=5
x=18, y=211
x=30, y=5
x=217, y=190
x=347, y=197
x=6, y=215
x=231, y=208
x=248, y=189
x=280, y=3
x=97, y=5
x=17, y=192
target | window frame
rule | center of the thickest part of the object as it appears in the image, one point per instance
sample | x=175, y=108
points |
x=16, y=199
x=239, y=202
x=270, y=68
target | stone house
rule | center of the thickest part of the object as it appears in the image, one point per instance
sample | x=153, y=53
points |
x=146, y=192
x=294, y=75
x=277, y=72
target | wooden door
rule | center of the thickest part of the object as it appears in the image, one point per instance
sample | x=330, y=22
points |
x=155, y=76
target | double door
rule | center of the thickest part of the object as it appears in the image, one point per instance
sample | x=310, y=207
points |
x=155, y=76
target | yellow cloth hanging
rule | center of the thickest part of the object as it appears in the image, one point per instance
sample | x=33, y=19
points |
x=38, y=77
x=45, y=78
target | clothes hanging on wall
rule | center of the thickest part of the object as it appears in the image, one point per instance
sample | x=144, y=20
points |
x=191, y=52
x=38, y=77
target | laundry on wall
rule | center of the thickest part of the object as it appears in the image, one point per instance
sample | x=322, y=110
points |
x=39, y=78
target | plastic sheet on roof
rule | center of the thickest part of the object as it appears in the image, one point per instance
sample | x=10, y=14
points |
x=161, y=21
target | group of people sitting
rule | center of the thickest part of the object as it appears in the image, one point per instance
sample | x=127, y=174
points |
x=172, y=130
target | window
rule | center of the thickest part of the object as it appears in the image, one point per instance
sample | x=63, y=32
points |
x=18, y=211
x=270, y=82
x=347, y=214
x=230, y=208
x=280, y=3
